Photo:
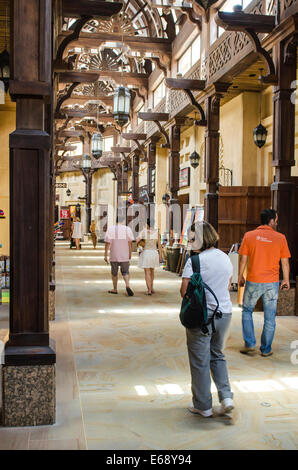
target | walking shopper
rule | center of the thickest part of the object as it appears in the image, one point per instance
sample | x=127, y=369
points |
x=93, y=233
x=77, y=231
x=205, y=351
x=151, y=256
x=263, y=249
x=118, y=240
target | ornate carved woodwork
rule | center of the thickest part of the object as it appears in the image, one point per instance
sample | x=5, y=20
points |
x=251, y=24
x=187, y=85
x=70, y=38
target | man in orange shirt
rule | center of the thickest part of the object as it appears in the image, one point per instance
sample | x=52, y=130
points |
x=263, y=248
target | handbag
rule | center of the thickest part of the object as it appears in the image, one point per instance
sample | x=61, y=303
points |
x=141, y=243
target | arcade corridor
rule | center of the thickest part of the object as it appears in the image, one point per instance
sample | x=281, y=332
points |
x=123, y=376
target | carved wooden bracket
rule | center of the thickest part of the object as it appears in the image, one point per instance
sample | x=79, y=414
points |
x=187, y=85
x=66, y=96
x=140, y=95
x=159, y=65
x=78, y=26
x=191, y=17
x=157, y=118
x=271, y=77
x=136, y=138
x=251, y=24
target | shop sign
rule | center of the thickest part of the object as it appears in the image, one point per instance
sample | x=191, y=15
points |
x=184, y=177
x=61, y=185
x=64, y=213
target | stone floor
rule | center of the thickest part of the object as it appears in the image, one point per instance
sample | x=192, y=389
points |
x=123, y=377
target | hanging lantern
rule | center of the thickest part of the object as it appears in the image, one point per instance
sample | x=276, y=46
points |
x=121, y=105
x=86, y=165
x=4, y=69
x=260, y=135
x=68, y=192
x=194, y=159
x=97, y=145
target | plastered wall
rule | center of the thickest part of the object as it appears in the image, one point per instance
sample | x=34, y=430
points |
x=7, y=125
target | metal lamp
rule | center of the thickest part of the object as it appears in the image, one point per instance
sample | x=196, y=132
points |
x=260, y=135
x=97, y=145
x=86, y=165
x=121, y=105
x=194, y=159
x=68, y=192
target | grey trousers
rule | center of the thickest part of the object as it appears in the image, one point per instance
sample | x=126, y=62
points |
x=206, y=354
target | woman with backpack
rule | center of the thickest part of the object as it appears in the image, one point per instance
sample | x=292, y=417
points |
x=206, y=343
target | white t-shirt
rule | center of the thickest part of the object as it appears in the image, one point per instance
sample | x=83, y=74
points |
x=216, y=270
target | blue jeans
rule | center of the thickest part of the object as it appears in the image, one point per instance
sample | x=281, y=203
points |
x=253, y=291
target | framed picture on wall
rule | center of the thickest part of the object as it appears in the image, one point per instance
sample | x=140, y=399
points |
x=184, y=177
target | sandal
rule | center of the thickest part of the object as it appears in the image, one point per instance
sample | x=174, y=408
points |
x=112, y=292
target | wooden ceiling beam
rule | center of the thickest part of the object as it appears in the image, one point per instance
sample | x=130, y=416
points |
x=154, y=116
x=68, y=133
x=131, y=136
x=96, y=8
x=82, y=99
x=121, y=149
x=136, y=43
x=78, y=77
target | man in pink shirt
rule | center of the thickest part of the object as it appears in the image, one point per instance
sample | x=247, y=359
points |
x=119, y=240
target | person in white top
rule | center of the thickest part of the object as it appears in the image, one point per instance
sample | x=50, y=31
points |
x=206, y=351
x=151, y=256
x=77, y=231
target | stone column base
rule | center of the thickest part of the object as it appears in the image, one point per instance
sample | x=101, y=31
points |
x=29, y=395
x=286, y=302
x=52, y=301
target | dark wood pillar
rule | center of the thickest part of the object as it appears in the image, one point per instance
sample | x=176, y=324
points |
x=88, y=195
x=151, y=175
x=135, y=176
x=124, y=177
x=283, y=158
x=212, y=111
x=174, y=168
x=29, y=371
x=212, y=160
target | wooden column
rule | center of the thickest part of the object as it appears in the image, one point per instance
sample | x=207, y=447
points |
x=283, y=157
x=212, y=111
x=88, y=194
x=174, y=168
x=151, y=182
x=212, y=160
x=124, y=177
x=28, y=372
x=135, y=176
